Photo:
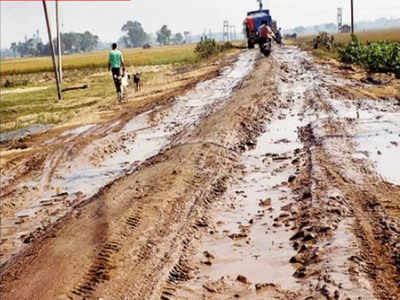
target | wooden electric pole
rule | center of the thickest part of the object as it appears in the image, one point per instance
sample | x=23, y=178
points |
x=52, y=48
x=352, y=17
x=60, y=74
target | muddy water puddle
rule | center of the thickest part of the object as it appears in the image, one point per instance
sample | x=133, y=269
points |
x=251, y=235
x=375, y=132
x=67, y=182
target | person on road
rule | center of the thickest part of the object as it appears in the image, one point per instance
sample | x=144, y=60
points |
x=115, y=62
x=279, y=37
x=265, y=32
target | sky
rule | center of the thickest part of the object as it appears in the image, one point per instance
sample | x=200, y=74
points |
x=105, y=18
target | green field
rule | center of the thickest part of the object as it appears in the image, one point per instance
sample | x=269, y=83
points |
x=99, y=59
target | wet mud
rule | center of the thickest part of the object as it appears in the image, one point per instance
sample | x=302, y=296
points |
x=291, y=224
x=271, y=181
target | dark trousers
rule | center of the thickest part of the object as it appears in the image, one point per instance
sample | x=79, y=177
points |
x=116, y=72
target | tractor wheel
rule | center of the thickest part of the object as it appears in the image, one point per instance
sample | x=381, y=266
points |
x=250, y=44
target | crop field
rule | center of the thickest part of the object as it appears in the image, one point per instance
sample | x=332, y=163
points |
x=99, y=59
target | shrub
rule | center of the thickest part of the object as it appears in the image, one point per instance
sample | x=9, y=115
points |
x=206, y=48
x=323, y=40
x=352, y=53
x=210, y=47
x=382, y=57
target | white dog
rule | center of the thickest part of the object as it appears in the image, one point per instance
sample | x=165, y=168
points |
x=125, y=79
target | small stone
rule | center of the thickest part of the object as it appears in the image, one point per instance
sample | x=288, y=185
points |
x=260, y=286
x=297, y=235
x=308, y=237
x=266, y=202
x=242, y=279
x=206, y=262
x=300, y=273
x=208, y=255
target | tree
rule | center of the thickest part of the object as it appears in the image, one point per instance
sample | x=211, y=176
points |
x=135, y=36
x=43, y=49
x=68, y=42
x=88, y=41
x=22, y=49
x=13, y=48
x=164, y=35
x=187, y=37
x=178, y=38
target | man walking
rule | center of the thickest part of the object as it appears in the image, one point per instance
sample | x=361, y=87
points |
x=115, y=62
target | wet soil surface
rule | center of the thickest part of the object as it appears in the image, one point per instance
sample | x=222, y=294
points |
x=271, y=181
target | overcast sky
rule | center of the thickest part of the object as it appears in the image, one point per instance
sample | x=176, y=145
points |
x=106, y=18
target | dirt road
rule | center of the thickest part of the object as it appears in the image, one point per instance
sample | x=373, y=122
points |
x=275, y=180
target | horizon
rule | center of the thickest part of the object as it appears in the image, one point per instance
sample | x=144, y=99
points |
x=18, y=21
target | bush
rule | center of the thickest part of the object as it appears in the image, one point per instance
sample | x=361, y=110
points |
x=208, y=48
x=382, y=57
x=323, y=40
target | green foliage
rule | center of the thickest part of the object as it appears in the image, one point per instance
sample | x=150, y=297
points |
x=209, y=47
x=353, y=52
x=164, y=35
x=135, y=36
x=73, y=42
x=177, y=39
x=382, y=56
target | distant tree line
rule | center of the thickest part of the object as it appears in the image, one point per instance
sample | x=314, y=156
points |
x=72, y=42
x=135, y=36
x=332, y=27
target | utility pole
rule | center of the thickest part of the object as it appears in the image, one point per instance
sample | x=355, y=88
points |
x=52, y=48
x=352, y=17
x=226, y=31
x=60, y=74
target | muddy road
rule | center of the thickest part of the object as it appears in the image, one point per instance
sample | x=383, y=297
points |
x=277, y=179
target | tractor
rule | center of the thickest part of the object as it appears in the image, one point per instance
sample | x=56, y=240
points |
x=253, y=23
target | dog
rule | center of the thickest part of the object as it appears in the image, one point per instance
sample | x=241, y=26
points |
x=137, y=82
x=124, y=81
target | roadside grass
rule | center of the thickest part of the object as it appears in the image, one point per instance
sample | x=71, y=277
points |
x=99, y=59
x=18, y=110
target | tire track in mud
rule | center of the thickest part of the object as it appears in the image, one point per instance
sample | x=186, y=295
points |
x=189, y=220
x=342, y=195
x=99, y=271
